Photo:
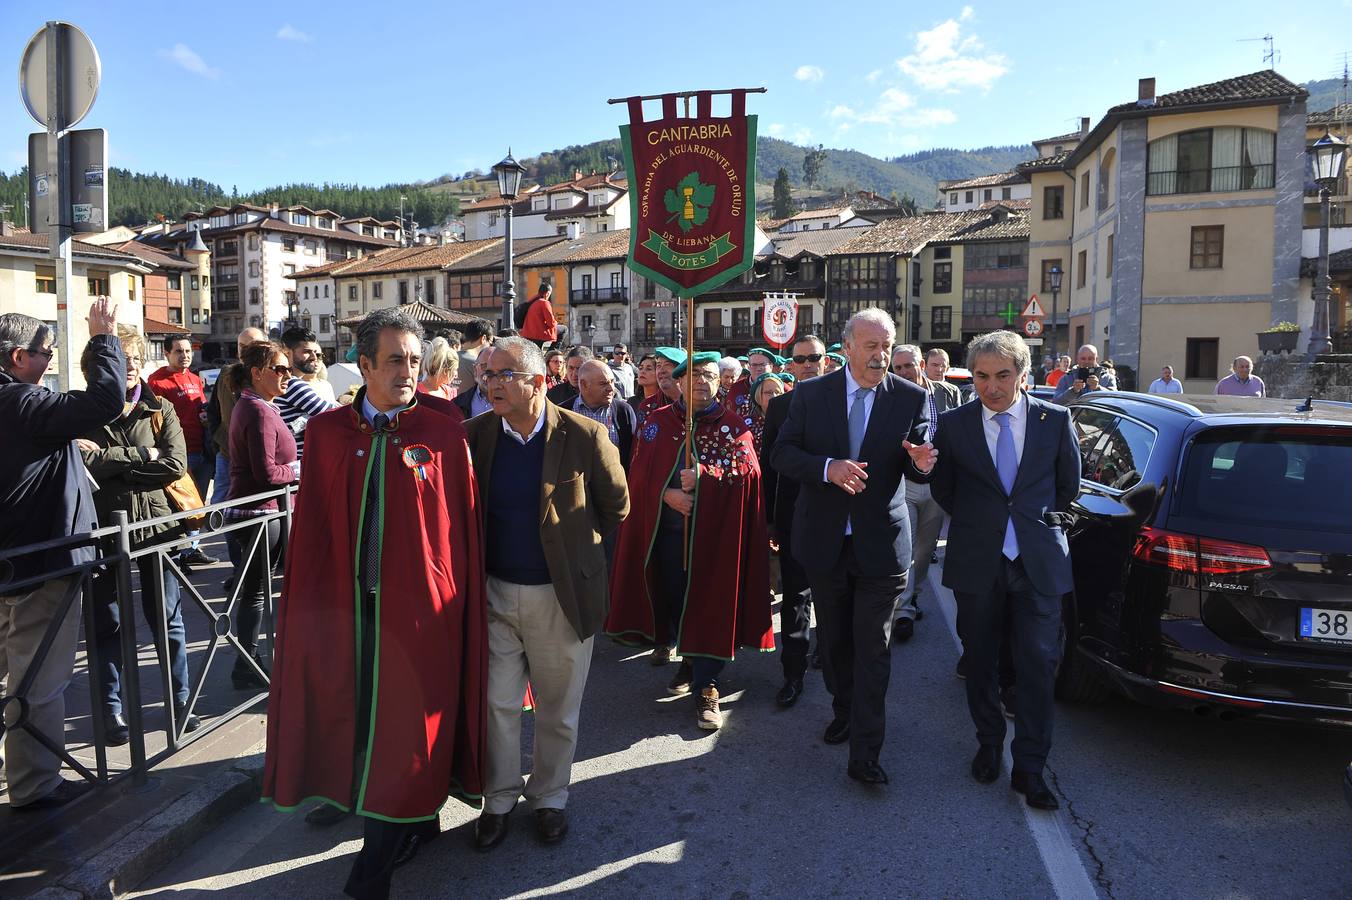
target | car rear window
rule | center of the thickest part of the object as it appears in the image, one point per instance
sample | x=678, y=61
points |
x=1280, y=477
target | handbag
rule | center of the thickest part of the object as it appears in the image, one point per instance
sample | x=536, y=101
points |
x=182, y=492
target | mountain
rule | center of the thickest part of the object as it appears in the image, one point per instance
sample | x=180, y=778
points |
x=1325, y=94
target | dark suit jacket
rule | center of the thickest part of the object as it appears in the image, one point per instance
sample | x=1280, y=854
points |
x=946, y=396
x=965, y=483
x=562, y=394
x=781, y=494
x=463, y=399
x=817, y=428
x=583, y=497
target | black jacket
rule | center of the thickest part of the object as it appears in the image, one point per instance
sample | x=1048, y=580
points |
x=780, y=493
x=45, y=492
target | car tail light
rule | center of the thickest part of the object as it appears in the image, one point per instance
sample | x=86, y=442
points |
x=1198, y=555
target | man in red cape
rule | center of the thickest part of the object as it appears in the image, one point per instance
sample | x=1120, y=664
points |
x=380, y=674
x=716, y=598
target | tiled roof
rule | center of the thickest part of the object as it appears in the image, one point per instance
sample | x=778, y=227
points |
x=909, y=235
x=582, y=209
x=1261, y=85
x=1339, y=263
x=793, y=244
x=1016, y=205
x=989, y=225
x=269, y=224
x=153, y=326
x=1337, y=115
x=1072, y=136
x=982, y=181
x=490, y=253
x=401, y=259
x=821, y=213
x=422, y=312
x=769, y=224
x=1043, y=163
x=27, y=241
x=155, y=256
x=586, y=247
x=333, y=268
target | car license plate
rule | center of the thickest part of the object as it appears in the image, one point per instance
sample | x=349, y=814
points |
x=1332, y=626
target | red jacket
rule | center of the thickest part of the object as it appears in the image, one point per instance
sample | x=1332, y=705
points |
x=540, y=324
x=188, y=393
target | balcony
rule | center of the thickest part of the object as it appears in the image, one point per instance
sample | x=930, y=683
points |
x=1204, y=181
x=227, y=280
x=727, y=334
x=598, y=295
x=219, y=305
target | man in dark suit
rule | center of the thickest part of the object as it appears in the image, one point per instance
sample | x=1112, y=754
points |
x=781, y=496
x=598, y=400
x=563, y=393
x=851, y=439
x=552, y=489
x=474, y=399
x=1007, y=466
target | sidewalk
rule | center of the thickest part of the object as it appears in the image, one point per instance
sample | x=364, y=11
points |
x=117, y=834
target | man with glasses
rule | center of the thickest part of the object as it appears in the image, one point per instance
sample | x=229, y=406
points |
x=301, y=403
x=475, y=402
x=552, y=489
x=46, y=494
x=176, y=382
x=626, y=375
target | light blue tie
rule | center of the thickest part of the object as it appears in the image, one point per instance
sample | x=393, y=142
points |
x=1007, y=465
x=857, y=422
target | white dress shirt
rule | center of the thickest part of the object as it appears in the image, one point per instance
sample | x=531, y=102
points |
x=850, y=387
x=1018, y=425
x=539, y=424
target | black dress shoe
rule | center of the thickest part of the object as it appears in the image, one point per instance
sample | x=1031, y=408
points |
x=489, y=831
x=115, y=730
x=903, y=630
x=324, y=815
x=244, y=676
x=550, y=825
x=64, y=792
x=838, y=732
x=198, y=558
x=866, y=771
x=1035, y=791
x=788, y=695
x=187, y=723
x=986, y=765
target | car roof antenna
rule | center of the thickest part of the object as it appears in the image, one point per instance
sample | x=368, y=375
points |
x=1307, y=406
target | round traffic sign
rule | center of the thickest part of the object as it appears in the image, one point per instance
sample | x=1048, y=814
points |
x=1032, y=327
x=79, y=75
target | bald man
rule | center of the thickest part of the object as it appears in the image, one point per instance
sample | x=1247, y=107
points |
x=597, y=399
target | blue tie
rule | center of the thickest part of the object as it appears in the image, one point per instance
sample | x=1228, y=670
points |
x=1007, y=465
x=857, y=422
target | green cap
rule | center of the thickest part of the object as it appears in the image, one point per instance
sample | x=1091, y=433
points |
x=700, y=358
x=840, y=360
x=740, y=359
x=670, y=354
x=763, y=352
x=834, y=348
x=782, y=360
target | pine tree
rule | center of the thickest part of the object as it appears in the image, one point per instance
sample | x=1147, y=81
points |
x=783, y=207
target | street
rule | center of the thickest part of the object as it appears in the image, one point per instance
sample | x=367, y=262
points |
x=1155, y=804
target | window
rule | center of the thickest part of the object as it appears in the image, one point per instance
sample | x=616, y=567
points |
x=228, y=248
x=253, y=242
x=986, y=195
x=1004, y=301
x=324, y=222
x=492, y=219
x=325, y=324
x=1079, y=336
x=352, y=292
x=290, y=298
x=968, y=196
x=649, y=290
x=1122, y=456
x=175, y=316
x=616, y=283
x=1105, y=180
x=497, y=289
x=943, y=277
x=306, y=323
x=941, y=323
x=1108, y=263
x=915, y=322
x=1054, y=202
x=953, y=198
x=289, y=244
x=916, y=277
x=741, y=320
x=1207, y=242
x=943, y=252
x=1202, y=357
x=1001, y=255
x=1084, y=190
x=430, y=290
x=300, y=219
x=306, y=292
x=464, y=289
x=326, y=290
x=586, y=323
x=586, y=287
x=368, y=230
x=615, y=319
x=375, y=290
x=98, y=285
x=1092, y=427
x=1081, y=267
x=805, y=316
x=1211, y=159
x=403, y=292
x=253, y=268
x=311, y=247
x=196, y=316
x=241, y=218
x=46, y=281
x=1006, y=193
x=206, y=282
x=173, y=281
x=253, y=296
x=288, y=269
x=192, y=283
x=1047, y=266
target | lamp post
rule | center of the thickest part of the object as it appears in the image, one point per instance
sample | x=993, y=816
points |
x=509, y=173
x=1054, y=279
x=1327, y=156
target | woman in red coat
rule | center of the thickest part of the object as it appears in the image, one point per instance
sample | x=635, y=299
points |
x=540, y=325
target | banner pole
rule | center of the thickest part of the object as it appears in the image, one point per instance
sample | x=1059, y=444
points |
x=689, y=406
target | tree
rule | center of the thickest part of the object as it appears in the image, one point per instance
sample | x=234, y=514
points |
x=812, y=165
x=783, y=207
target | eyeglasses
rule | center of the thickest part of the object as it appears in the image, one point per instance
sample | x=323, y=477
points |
x=801, y=358
x=282, y=370
x=706, y=376
x=46, y=352
x=135, y=360
x=506, y=376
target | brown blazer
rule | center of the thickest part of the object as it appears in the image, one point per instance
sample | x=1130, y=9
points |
x=583, y=497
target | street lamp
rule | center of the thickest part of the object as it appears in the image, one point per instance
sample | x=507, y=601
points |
x=509, y=173
x=1327, y=156
x=1054, y=280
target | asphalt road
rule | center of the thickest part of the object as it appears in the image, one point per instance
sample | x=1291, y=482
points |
x=1154, y=804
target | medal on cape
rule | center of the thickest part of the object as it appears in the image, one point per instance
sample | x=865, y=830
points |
x=416, y=457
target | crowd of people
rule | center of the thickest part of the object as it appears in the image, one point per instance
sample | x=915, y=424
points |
x=479, y=510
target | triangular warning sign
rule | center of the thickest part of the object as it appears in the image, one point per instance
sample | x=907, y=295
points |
x=1034, y=309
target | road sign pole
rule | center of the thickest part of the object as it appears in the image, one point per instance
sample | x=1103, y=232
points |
x=57, y=164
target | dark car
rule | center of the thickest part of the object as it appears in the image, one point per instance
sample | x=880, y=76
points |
x=1212, y=555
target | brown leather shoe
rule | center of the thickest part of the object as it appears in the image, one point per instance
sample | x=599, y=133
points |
x=550, y=825
x=490, y=831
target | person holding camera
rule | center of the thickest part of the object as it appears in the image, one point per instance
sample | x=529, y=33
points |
x=1087, y=376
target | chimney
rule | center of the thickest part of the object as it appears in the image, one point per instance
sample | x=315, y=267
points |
x=1145, y=92
x=6, y=229
x=577, y=174
x=273, y=210
x=573, y=231
x=1084, y=125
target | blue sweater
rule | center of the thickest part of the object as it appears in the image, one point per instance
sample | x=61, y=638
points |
x=514, y=552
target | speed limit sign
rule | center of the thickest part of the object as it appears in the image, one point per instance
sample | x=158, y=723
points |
x=1032, y=327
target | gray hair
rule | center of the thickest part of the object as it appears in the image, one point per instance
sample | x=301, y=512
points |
x=1004, y=344
x=730, y=364
x=530, y=355
x=1238, y=358
x=578, y=351
x=19, y=332
x=368, y=332
x=939, y=352
x=1090, y=347
x=874, y=315
x=911, y=349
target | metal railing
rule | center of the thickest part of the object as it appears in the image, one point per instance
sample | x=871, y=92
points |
x=1217, y=178
x=115, y=555
x=597, y=295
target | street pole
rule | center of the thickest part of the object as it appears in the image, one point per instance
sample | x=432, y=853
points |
x=61, y=237
x=1319, y=328
x=508, y=289
x=1055, y=296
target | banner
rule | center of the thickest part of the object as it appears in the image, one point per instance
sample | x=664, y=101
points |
x=692, y=194
x=779, y=319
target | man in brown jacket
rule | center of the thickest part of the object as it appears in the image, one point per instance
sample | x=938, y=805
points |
x=552, y=488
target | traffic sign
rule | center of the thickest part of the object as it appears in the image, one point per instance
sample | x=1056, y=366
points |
x=1034, y=309
x=85, y=187
x=1032, y=327
x=77, y=75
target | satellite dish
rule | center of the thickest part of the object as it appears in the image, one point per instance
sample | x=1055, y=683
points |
x=79, y=77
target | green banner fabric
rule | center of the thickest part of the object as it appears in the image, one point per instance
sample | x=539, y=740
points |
x=692, y=194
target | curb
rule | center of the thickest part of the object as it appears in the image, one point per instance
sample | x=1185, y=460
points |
x=153, y=844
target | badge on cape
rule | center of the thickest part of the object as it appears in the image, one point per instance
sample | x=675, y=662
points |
x=416, y=457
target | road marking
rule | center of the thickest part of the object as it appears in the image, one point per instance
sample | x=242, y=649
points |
x=1054, y=844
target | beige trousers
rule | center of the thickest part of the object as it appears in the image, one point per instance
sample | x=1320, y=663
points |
x=530, y=638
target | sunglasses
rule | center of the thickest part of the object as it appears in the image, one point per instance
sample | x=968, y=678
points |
x=281, y=369
x=801, y=358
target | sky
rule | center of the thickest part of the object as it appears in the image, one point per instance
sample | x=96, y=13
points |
x=252, y=94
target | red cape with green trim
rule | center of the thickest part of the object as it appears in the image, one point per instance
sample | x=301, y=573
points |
x=425, y=739
x=728, y=600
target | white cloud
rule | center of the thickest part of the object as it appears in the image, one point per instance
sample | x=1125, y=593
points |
x=290, y=33
x=947, y=60
x=188, y=59
x=802, y=135
x=775, y=129
x=841, y=112
x=809, y=73
x=893, y=108
x=873, y=76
